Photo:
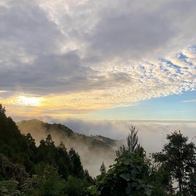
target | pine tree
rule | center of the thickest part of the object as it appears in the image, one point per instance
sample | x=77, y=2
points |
x=132, y=145
x=102, y=168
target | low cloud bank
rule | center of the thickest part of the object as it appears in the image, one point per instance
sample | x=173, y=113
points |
x=152, y=134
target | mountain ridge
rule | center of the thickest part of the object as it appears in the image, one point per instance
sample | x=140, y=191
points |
x=93, y=150
x=61, y=128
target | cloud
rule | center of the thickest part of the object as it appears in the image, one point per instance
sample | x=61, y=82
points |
x=76, y=55
x=26, y=32
x=152, y=134
x=130, y=34
x=113, y=129
x=188, y=101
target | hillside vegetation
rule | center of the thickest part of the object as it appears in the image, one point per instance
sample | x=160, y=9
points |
x=92, y=149
x=60, y=132
x=51, y=169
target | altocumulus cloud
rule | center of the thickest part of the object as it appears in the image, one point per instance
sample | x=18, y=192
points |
x=96, y=54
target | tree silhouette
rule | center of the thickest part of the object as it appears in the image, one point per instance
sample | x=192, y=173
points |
x=178, y=158
x=132, y=144
x=102, y=168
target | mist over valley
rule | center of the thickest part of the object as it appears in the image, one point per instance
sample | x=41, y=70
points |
x=93, y=150
x=94, y=142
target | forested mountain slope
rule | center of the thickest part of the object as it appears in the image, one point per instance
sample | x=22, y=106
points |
x=45, y=169
x=37, y=128
x=92, y=149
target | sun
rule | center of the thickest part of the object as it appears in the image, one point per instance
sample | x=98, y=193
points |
x=29, y=101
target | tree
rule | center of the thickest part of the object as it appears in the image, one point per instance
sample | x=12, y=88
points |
x=11, y=171
x=46, y=151
x=49, y=141
x=77, y=165
x=31, y=142
x=102, y=168
x=132, y=144
x=2, y=110
x=160, y=179
x=46, y=182
x=48, y=166
x=9, y=188
x=178, y=158
x=63, y=161
x=129, y=175
x=31, y=153
x=76, y=186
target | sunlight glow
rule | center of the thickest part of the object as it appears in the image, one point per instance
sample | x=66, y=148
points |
x=29, y=101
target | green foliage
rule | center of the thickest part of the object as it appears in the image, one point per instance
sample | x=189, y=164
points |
x=160, y=179
x=9, y=188
x=48, y=166
x=54, y=171
x=132, y=145
x=178, y=158
x=129, y=175
x=46, y=182
x=75, y=186
x=9, y=170
x=10, y=135
x=76, y=163
x=46, y=151
x=63, y=161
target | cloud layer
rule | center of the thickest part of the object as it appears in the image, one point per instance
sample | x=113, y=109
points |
x=152, y=134
x=80, y=56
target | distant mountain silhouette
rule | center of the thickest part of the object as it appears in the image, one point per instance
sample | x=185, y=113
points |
x=92, y=149
x=35, y=126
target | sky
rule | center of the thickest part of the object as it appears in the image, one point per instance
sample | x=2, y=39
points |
x=86, y=61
